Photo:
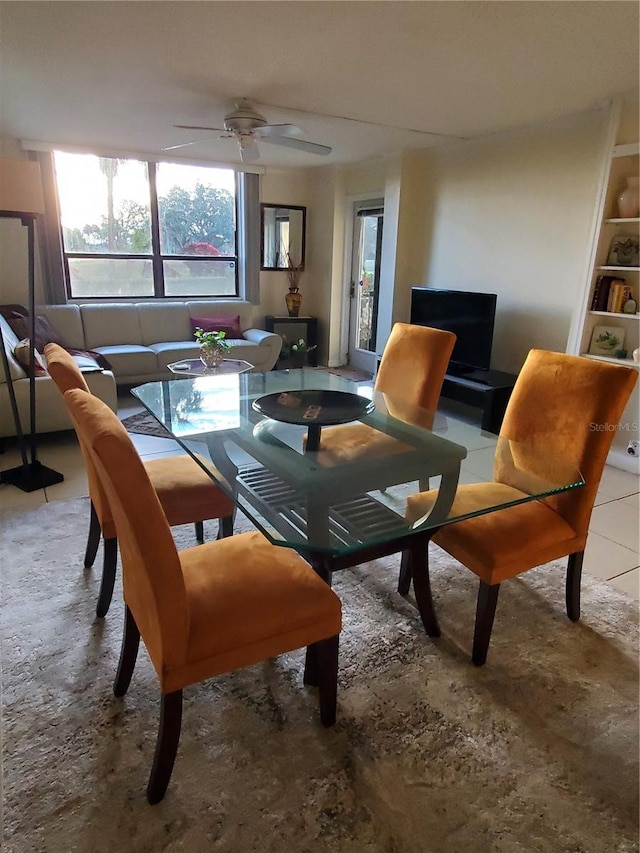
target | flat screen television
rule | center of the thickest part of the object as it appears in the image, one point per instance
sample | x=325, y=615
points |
x=470, y=315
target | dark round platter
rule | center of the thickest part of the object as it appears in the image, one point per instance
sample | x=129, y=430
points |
x=313, y=408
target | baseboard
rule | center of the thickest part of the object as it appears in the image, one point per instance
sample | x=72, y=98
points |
x=622, y=460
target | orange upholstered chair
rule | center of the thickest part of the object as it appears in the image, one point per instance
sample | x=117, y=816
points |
x=205, y=610
x=562, y=407
x=412, y=370
x=186, y=492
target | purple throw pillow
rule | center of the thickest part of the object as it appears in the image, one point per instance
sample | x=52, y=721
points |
x=229, y=325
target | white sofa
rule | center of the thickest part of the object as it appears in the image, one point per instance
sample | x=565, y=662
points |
x=51, y=413
x=139, y=340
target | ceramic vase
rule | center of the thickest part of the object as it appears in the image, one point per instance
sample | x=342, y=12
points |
x=210, y=355
x=629, y=199
x=293, y=300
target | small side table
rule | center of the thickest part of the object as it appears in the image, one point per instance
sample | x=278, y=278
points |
x=294, y=328
x=194, y=367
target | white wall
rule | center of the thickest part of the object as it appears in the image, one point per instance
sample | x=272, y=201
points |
x=285, y=188
x=13, y=246
x=512, y=215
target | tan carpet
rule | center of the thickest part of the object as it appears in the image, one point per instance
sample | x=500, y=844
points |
x=536, y=751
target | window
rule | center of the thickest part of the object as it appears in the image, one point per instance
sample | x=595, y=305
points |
x=140, y=229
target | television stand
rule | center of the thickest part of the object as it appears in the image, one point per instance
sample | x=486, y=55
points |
x=488, y=390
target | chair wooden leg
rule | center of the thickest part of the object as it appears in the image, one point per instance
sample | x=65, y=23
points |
x=199, y=526
x=94, y=539
x=574, y=577
x=485, y=612
x=108, y=576
x=404, y=578
x=128, y=654
x=327, y=658
x=311, y=677
x=419, y=562
x=225, y=527
x=166, y=746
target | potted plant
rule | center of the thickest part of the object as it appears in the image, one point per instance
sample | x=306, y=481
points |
x=295, y=354
x=212, y=346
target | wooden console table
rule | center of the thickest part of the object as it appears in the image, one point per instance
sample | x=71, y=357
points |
x=294, y=328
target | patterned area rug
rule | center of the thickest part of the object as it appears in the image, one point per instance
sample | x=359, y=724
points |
x=536, y=751
x=145, y=424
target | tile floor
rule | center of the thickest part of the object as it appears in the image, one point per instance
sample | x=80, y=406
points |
x=612, y=550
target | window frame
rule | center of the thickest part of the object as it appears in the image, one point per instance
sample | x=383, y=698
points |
x=156, y=257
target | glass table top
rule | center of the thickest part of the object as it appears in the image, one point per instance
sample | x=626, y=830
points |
x=396, y=471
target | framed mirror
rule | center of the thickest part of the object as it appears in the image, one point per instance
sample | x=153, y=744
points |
x=282, y=235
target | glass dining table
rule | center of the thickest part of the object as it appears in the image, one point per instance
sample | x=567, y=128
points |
x=385, y=483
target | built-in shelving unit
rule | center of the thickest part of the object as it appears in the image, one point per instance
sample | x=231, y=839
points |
x=621, y=161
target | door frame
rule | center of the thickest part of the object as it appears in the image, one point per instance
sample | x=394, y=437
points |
x=351, y=204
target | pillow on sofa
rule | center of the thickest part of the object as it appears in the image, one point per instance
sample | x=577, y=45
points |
x=44, y=333
x=21, y=353
x=230, y=325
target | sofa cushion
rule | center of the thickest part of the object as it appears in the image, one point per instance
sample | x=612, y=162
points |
x=129, y=359
x=174, y=351
x=229, y=325
x=164, y=321
x=110, y=325
x=67, y=322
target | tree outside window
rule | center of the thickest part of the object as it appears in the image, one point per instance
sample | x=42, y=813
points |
x=108, y=209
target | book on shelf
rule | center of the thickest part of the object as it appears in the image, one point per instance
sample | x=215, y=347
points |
x=619, y=292
x=603, y=290
x=601, y=293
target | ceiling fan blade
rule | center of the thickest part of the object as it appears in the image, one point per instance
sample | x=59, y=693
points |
x=185, y=144
x=278, y=130
x=362, y=121
x=198, y=127
x=299, y=144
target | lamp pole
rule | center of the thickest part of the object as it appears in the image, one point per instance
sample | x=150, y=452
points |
x=21, y=197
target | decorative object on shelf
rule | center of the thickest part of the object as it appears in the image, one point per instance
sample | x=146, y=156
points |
x=293, y=298
x=629, y=199
x=22, y=198
x=624, y=251
x=630, y=306
x=213, y=347
x=605, y=340
x=635, y=355
x=621, y=353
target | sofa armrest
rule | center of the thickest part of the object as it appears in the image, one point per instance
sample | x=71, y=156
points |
x=269, y=345
x=259, y=336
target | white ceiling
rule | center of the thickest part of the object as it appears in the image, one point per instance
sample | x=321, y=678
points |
x=119, y=75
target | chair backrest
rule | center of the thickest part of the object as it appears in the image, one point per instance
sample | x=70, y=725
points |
x=567, y=407
x=66, y=374
x=414, y=363
x=152, y=577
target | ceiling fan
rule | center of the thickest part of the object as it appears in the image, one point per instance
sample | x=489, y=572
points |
x=247, y=125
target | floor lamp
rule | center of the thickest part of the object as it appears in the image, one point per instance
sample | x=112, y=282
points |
x=21, y=197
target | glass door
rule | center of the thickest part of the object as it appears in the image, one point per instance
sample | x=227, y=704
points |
x=365, y=284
